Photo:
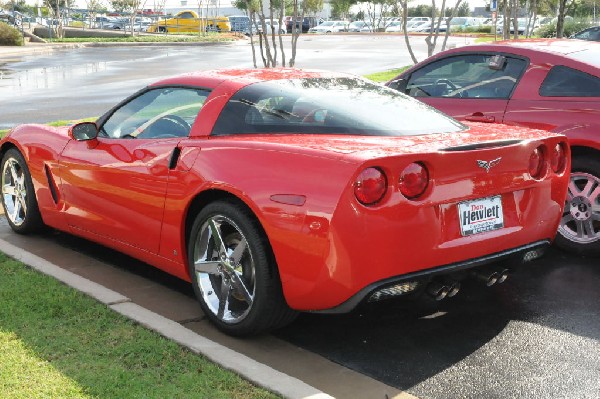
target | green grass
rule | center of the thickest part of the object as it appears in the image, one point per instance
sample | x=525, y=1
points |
x=384, y=76
x=58, y=343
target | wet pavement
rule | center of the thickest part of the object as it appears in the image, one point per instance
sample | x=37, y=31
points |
x=537, y=335
x=72, y=83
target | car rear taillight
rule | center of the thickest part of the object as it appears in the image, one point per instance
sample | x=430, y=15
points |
x=370, y=186
x=558, y=159
x=536, y=163
x=414, y=180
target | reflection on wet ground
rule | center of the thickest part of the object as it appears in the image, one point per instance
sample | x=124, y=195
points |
x=86, y=82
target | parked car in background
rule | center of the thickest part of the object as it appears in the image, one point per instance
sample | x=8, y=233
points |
x=301, y=23
x=429, y=26
x=240, y=23
x=275, y=191
x=592, y=33
x=394, y=26
x=550, y=84
x=464, y=23
x=330, y=27
x=271, y=26
x=413, y=26
x=188, y=22
x=356, y=26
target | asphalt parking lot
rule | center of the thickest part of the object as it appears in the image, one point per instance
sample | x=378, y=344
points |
x=535, y=336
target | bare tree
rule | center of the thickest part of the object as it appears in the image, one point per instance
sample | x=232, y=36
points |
x=93, y=6
x=55, y=8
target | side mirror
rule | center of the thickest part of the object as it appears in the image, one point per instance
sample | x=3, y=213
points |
x=84, y=131
x=398, y=84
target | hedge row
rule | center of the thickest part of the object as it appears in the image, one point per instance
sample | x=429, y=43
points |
x=10, y=36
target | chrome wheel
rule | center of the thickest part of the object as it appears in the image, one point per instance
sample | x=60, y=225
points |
x=581, y=217
x=14, y=191
x=225, y=269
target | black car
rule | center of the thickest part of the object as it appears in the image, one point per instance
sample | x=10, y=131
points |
x=592, y=33
x=307, y=23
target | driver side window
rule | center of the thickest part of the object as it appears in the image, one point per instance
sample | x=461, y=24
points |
x=158, y=113
x=467, y=76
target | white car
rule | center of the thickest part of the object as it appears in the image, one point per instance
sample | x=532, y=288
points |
x=394, y=26
x=356, y=26
x=330, y=27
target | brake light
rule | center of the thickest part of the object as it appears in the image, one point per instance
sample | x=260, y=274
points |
x=536, y=163
x=370, y=186
x=414, y=180
x=558, y=160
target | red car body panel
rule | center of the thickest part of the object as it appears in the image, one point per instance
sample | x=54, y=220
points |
x=577, y=117
x=124, y=194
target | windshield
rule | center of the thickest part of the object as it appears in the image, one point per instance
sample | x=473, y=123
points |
x=329, y=106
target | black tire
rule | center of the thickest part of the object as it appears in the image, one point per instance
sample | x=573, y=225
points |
x=238, y=286
x=18, y=195
x=579, y=229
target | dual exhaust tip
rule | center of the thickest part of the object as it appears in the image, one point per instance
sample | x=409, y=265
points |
x=447, y=288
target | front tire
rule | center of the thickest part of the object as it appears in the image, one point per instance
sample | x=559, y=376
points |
x=18, y=195
x=579, y=229
x=234, y=273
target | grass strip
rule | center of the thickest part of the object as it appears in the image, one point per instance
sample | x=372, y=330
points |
x=163, y=38
x=55, y=342
x=384, y=76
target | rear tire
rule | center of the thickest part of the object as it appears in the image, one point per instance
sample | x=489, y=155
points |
x=18, y=195
x=234, y=273
x=579, y=229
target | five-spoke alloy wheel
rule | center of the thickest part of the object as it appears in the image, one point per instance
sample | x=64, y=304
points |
x=233, y=271
x=18, y=195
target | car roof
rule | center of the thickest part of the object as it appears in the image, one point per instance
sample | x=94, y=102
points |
x=562, y=47
x=239, y=78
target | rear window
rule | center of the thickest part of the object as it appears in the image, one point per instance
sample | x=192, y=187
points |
x=329, y=106
x=563, y=81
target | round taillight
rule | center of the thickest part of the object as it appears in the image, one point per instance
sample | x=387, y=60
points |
x=370, y=186
x=558, y=160
x=414, y=180
x=536, y=163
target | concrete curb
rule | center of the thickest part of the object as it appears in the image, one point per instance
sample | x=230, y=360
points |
x=250, y=369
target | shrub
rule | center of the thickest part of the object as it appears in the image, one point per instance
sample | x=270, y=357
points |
x=570, y=28
x=10, y=36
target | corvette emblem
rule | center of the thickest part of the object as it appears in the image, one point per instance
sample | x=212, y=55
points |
x=488, y=165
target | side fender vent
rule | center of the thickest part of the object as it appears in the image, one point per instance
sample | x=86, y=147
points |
x=51, y=184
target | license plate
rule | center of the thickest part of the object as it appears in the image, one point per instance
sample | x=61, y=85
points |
x=480, y=215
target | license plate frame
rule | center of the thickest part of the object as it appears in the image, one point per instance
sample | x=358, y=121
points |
x=480, y=215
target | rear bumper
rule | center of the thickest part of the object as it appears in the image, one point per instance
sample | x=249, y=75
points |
x=518, y=254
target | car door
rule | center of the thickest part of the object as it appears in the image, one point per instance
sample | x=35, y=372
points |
x=471, y=86
x=115, y=186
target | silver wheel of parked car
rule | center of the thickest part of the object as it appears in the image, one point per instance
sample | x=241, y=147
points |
x=579, y=229
x=234, y=272
x=18, y=195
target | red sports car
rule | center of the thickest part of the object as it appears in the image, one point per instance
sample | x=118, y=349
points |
x=272, y=198
x=548, y=84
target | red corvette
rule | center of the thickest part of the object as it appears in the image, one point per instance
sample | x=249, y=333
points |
x=272, y=198
x=548, y=84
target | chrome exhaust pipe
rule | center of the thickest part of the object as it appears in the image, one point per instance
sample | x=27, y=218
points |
x=502, y=275
x=437, y=290
x=453, y=287
x=488, y=277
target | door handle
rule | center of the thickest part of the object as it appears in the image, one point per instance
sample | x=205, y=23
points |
x=480, y=117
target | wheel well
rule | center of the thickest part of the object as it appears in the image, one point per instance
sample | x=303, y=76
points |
x=579, y=151
x=205, y=198
x=7, y=146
